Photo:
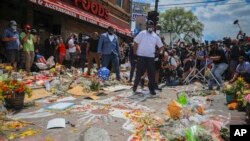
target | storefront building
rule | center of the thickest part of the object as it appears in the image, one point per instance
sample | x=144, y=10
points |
x=62, y=17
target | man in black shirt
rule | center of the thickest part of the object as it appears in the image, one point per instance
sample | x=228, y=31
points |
x=92, y=52
x=219, y=65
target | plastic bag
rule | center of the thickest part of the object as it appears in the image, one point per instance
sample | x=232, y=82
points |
x=174, y=110
x=41, y=66
x=216, y=120
x=197, y=105
x=196, y=133
x=183, y=99
x=51, y=62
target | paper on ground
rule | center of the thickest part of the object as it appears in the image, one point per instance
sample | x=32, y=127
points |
x=117, y=88
x=56, y=123
x=60, y=106
x=35, y=114
x=70, y=98
x=37, y=94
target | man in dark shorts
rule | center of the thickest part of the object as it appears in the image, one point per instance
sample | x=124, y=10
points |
x=92, y=52
x=12, y=43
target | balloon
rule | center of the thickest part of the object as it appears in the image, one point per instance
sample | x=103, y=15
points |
x=103, y=73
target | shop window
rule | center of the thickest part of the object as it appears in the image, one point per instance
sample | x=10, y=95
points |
x=119, y=3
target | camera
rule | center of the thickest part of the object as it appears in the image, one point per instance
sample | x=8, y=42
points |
x=33, y=31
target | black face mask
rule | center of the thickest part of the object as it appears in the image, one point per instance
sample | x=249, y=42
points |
x=110, y=32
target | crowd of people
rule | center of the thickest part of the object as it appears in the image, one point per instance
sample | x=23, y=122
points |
x=148, y=55
x=22, y=49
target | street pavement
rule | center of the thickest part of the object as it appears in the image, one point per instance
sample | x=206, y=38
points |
x=109, y=127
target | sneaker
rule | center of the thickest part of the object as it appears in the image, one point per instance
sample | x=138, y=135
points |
x=143, y=89
x=158, y=89
x=153, y=93
x=136, y=93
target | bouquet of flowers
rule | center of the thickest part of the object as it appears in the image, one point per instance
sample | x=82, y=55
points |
x=10, y=88
x=240, y=84
x=247, y=98
x=230, y=89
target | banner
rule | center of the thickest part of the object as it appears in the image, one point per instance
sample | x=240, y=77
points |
x=80, y=14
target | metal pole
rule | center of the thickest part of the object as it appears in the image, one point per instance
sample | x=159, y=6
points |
x=170, y=44
x=156, y=5
x=239, y=26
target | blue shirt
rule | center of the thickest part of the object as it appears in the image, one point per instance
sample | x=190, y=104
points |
x=245, y=67
x=9, y=33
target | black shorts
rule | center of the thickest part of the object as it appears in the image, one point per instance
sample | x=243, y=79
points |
x=12, y=55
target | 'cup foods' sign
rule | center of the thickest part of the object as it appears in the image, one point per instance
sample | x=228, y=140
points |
x=95, y=8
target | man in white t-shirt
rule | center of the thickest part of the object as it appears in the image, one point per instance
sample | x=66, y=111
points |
x=72, y=49
x=145, y=43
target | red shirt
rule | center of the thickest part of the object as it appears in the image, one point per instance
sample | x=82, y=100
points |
x=62, y=48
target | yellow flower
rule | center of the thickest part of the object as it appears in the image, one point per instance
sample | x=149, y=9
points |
x=240, y=79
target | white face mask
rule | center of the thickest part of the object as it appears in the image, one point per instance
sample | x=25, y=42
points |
x=158, y=31
x=14, y=27
x=150, y=30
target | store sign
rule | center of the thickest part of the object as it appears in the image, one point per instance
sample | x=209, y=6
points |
x=136, y=15
x=67, y=9
x=139, y=10
x=95, y=8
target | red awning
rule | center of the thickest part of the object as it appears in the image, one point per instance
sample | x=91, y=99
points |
x=80, y=14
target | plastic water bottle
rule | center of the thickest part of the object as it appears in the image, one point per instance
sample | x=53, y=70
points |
x=47, y=86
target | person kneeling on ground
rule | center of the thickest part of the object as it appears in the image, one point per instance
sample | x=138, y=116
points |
x=242, y=70
x=169, y=67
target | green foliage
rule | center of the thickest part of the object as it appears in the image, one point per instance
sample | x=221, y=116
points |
x=224, y=132
x=182, y=22
x=230, y=90
x=95, y=85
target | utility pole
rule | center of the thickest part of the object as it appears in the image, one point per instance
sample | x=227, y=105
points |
x=156, y=5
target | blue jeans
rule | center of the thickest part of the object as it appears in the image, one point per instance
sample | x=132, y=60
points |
x=217, y=71
x=111, y=58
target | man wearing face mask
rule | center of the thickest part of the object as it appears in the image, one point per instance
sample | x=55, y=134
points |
x=108, y=48
x=28, y=47
x=12, y=43
x=145, y=43
x=49, y=46
x=72, y=44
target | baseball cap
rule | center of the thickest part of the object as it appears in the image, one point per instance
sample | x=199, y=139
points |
x=150, y=22
x=27, y=26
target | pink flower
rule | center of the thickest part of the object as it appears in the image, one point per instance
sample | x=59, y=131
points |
x=247, y=98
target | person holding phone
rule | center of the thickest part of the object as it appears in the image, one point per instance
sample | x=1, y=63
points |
x=28, y=47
